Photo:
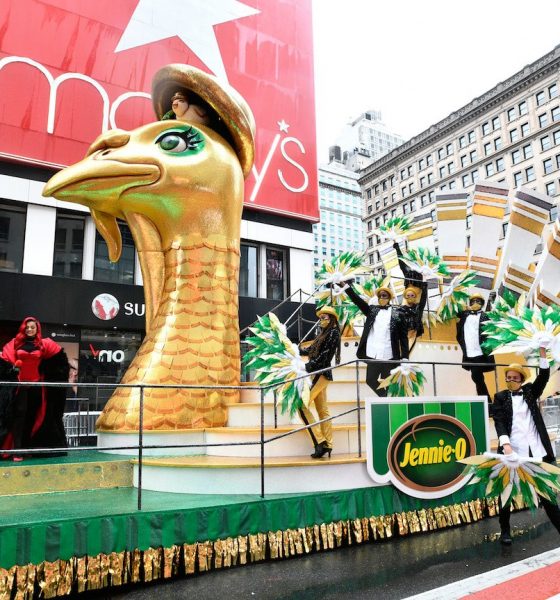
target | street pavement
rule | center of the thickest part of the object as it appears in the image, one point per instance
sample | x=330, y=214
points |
x=389, y=570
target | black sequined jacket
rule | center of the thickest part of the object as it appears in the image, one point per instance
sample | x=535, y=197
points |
x=412, y=315
x=503, y=411
x=323, y=352
x=411, y=277
x=397, y=327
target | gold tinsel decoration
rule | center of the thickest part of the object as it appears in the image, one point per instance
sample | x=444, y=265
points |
x=79, y=574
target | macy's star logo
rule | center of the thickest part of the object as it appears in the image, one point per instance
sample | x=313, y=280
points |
x=191, y=20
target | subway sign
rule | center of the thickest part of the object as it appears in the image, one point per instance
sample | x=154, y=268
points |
x=415, y=443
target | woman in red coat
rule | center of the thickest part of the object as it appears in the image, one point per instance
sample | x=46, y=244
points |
x=31, y=417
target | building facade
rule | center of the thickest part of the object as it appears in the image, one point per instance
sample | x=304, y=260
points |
x=340, y=201
x=510, y=134
x=364, y=140
x=62, y=89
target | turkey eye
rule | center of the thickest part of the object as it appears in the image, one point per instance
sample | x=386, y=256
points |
x=181, y=141
x=172, y=143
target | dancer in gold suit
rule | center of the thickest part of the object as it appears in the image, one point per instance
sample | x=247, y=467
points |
x=321, y=352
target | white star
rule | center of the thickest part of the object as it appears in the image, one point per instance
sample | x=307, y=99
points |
x=191, y=20
x=283, y=126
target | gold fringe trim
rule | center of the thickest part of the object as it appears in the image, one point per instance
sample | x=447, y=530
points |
x=79, y=574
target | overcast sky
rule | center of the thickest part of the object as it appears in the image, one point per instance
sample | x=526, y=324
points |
x=417, y=62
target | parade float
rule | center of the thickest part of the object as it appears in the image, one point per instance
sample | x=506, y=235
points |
x=199, y=470
x=222, y=470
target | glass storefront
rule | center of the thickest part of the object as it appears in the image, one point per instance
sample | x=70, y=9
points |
x=276, y=283
x=248, y=271
x=12, y=235
x=121, y=271
x=68, y=245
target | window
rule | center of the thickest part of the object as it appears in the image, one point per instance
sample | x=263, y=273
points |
x=376, y=189
x=120, y=272
x=485, y=128
x=392, y=180
x=543, y=120
x=276, y=282
x=463, y=160
x=449, y=149
x=370, y=242
x=452, y=184
x=440, y=153
x=248, y=270
x=545, y=143
x=556, y=137
x=370, y=209
x=430, y=178
x=384, y=185
x=497, y=143
x=487, y=148
x=403, y=174
x=523, y=110
x=540, y=97
x=552, y=91
x=528, y=151
x=500, y=165
x=471, y=137
x=12, y=232
x=462, y=141
x=68, y=245
x=466, y=180
x=411, y=187
x=474, y=176
x=421, y=164
x=525, y=129
x=405, y=209
x=513, y=135
x=558, y=161
x=422, y=182
x=517, y=179
x=547, y=166
x=451, y=168
x=412, y=205
x=515, y=157
x=442, y=172
x=429, y=160
x=423, y=200
x=551, y=188
x=511, y=114
x=530, y=174
x=468, y=221
x=473, y=156
x=431, y=196
x=555, y=114
x=409, y=170
x=496, y=123
x=377, y=205
x=504, y=229
x=489, y=169
x=369, y=226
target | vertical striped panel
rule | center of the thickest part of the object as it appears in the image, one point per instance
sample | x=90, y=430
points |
x=463, y=413
x=380, y=441
x=398, y=414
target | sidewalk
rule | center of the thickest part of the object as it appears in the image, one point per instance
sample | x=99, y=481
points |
x=536, y=578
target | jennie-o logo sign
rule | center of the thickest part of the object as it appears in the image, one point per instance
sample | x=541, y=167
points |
x=422, y=454
x=415, y=443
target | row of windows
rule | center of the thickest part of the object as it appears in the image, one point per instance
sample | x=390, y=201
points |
x=69, y=254
x=487, y=128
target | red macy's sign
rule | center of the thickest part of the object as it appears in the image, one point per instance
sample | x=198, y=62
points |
x=70, y=69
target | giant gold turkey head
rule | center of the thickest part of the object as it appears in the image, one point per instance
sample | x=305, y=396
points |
x=179, y=187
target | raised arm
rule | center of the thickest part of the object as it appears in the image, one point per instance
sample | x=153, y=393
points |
x=542, y=378
x=357, y=300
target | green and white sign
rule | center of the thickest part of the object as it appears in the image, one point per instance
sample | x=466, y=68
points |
x=414, y=443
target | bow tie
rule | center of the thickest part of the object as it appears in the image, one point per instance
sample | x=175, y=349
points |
x=473, y=312
x=383, y=307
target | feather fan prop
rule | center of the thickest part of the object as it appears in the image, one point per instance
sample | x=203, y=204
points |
x=425, y=262
x=455, y=295
x=510, y=475
x=334, y=274
x=394, y=229
x=277, y=361
x=404, y=380
x=524, y=330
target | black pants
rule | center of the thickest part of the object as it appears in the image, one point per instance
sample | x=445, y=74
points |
x=551, y=509
x=477, y=375
x=376, y=370
x=25, y=407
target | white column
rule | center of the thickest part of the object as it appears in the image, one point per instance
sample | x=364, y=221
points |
x=89, y=249
x=38, y=252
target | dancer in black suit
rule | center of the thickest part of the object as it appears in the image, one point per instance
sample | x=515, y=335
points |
x=384, y=337
x=520, y=427
x=470, y=337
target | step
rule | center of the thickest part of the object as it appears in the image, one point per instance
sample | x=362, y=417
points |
x=282, y=475
x=248, y=414
x=63, y=474
x=129, y=440
x=345, y=440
